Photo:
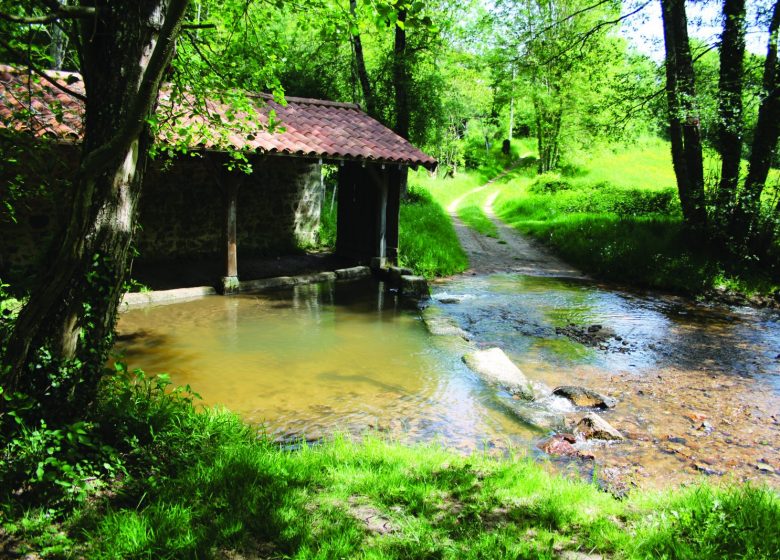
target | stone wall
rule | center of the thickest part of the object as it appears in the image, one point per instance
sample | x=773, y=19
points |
x=182, y=214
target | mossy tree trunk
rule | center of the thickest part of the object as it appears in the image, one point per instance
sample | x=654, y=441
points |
x=684, y=126
x=66, y=326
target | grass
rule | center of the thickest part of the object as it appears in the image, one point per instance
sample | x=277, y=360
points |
x=427, y=241
x=199, y=484
x=616, y=216
x=475, y=218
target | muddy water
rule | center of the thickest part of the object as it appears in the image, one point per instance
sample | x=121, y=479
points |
x=311, y=360
x=698, y=386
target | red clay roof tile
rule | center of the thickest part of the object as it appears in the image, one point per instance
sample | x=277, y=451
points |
x=310, y=127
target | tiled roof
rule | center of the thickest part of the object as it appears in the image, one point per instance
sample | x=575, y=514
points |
x=306, y=127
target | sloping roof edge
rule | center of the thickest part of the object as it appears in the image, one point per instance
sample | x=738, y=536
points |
x=313, y=128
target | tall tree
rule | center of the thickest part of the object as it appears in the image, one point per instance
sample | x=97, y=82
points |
x=766, y=134
x=401, y=74
x=125, y=47
x=730, y=121
x=360, y=60
x=684, y=124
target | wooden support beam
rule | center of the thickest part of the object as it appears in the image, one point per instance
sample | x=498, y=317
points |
x=230, y=280
x=393, y=214
x=228, y=182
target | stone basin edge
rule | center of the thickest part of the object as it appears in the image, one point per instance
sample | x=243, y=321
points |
x=134, y=300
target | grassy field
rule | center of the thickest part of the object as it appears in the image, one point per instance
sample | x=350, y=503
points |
x=188, y=484
x=615, y=215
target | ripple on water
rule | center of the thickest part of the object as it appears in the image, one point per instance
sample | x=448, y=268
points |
x=306, y=361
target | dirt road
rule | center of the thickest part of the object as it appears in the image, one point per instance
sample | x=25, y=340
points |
x=511, y=252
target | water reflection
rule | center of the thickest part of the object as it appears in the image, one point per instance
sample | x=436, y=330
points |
x=303, y=362
x=318, y=358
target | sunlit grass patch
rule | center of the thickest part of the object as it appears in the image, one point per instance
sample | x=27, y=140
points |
x=203, y=485
x=475, y=218
x=427, y=240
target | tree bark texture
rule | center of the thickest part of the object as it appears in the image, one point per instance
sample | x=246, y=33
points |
x=732, y=55
x=766, y=134
x=70, y=316
x=401, y=78
x=360, y=62
x=684, y=128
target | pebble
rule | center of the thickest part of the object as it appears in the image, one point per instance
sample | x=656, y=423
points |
x=706, y=469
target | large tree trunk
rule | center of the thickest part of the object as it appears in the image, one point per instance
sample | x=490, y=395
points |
x=67, y=324
x=401, y=78
x=683, y=116
x=765, y=137
x=360, y=62
x=401, y=83
x=732, y=54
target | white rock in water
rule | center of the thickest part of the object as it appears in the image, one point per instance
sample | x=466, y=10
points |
x=593, y=426
x=495, y=367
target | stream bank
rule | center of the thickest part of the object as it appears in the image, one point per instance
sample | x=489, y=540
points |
x=697, y=384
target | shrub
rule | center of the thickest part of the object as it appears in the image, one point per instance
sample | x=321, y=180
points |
x=549, y=183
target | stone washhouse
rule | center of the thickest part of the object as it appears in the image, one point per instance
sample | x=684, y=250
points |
x=195, y=207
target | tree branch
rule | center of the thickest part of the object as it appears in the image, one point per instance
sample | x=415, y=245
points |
x=581, y=39
x=194, y=26
x=62, y=12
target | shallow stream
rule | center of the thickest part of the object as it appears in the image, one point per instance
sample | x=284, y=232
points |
x=698, y=386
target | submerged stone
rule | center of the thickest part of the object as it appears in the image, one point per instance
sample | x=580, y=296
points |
x=581, y=396
x=439, y=325
x=496, y=368
x=593, y=426
x=538, y=418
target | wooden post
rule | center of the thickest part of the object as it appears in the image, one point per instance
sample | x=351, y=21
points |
x=381, y=220
x=393, y=182
x=230, y=280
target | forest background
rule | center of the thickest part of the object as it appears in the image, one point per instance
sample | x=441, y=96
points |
x=654, y=167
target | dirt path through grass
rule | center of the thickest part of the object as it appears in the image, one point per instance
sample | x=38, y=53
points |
x=511, y=252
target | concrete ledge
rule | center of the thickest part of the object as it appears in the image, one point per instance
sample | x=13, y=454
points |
x=286, y=281
x=353, y=273
x=139, y=299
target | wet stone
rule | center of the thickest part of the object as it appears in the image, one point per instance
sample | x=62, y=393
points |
x=581, y=396
x=496, y=368
x=593, y=426
x=414, y=287
x=560, y=444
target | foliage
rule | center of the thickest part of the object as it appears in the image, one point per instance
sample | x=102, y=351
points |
x=427, y=240
x=706, y=523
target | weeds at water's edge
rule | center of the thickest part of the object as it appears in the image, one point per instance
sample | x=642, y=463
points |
x=194, y=484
